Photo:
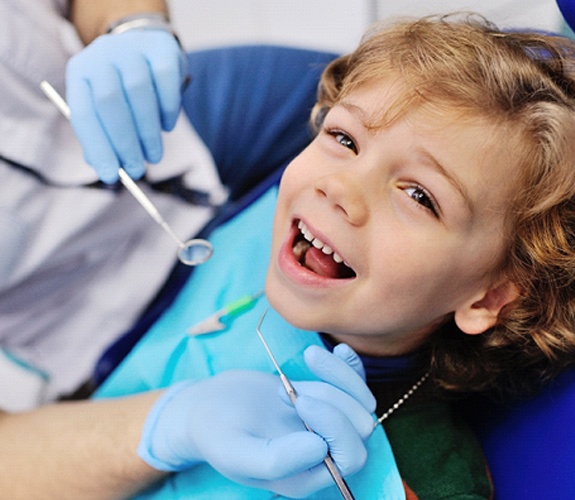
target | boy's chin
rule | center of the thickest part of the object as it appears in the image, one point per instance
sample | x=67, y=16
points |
x=290, y=308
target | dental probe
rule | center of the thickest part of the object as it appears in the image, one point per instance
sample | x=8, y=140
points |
x=291, y=392
x=192, y=252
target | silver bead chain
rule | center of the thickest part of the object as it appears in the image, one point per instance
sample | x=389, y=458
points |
x=402, y=399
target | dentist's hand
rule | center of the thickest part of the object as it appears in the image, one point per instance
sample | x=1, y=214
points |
x=238, y=423
x=123, y=90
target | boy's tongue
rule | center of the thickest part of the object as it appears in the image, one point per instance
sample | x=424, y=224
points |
x=322, y=264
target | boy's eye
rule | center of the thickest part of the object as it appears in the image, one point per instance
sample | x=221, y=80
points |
x=344, y=139
x=422, y=197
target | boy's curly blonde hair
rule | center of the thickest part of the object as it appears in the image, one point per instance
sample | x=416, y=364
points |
x=525, y=83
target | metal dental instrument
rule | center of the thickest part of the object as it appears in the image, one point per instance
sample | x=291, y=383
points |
x=291, y=392
x=191, y=252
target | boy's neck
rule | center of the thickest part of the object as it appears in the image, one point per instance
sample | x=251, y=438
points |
x=389, y=368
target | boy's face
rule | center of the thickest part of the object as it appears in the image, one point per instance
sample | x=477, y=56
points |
x=415, y=209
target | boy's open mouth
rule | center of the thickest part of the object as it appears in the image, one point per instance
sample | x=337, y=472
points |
x=316, y=256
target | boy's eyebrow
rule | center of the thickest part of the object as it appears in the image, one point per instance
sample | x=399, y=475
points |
x=452, y=179
x=356, y=110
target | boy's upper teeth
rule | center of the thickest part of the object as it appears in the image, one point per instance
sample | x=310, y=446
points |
x=317, y=243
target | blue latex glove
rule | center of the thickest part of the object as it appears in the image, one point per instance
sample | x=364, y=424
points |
x=238, y=423
x=123, y=90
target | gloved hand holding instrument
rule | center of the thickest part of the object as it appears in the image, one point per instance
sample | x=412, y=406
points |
x=216, y=420
x=123, y=90
x=191, y=252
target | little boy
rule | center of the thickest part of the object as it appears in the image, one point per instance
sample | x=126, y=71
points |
x=429, y=226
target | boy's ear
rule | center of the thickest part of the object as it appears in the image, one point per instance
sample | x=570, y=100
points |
x=482, y=312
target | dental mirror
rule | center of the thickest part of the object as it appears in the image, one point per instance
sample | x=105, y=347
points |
x=194, y=252
x=191, y=252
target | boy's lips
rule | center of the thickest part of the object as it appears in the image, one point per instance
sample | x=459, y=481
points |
x=307, y=258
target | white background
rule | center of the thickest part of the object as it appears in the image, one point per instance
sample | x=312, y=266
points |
x=334, y=25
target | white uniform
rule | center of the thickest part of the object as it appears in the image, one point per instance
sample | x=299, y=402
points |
x=77, y=264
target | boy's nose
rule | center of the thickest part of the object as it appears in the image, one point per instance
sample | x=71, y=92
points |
x=345, y=194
